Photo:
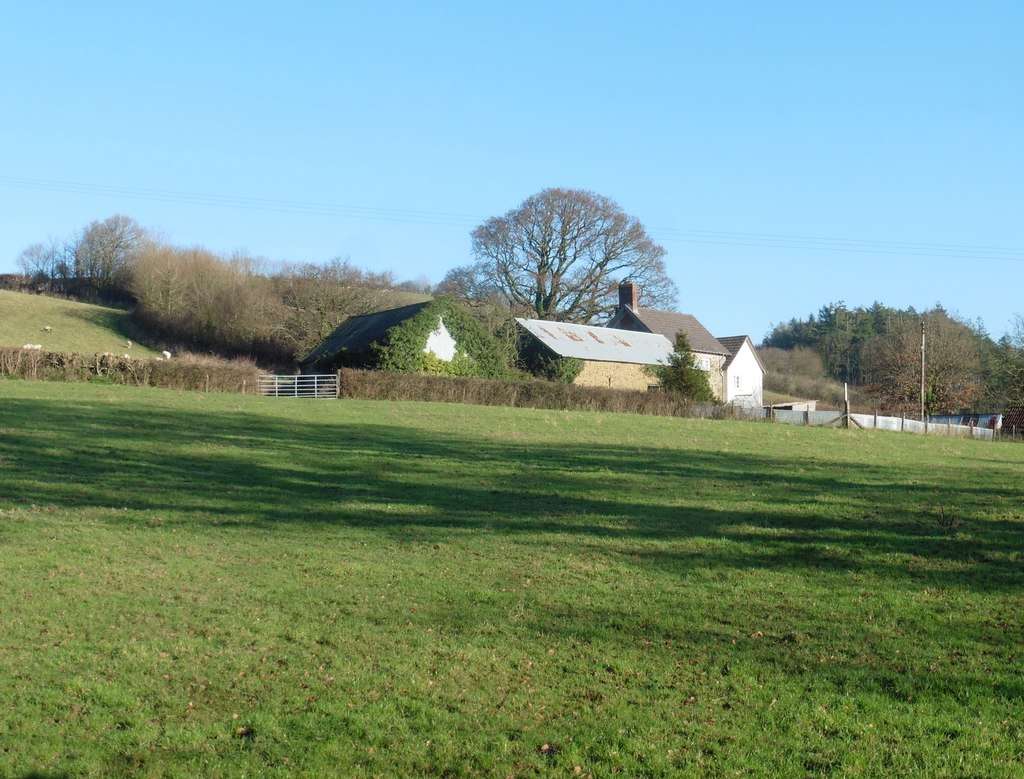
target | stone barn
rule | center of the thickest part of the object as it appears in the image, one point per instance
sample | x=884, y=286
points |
x=610, y=358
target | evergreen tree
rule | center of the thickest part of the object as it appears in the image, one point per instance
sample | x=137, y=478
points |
x=682, y=377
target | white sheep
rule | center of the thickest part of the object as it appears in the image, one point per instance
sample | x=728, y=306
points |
x=33, y=347
x=47, y=329
x=166, y=354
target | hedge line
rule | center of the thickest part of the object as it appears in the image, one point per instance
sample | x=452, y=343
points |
x=187, y=373
x=384, y=385
x=213, y=375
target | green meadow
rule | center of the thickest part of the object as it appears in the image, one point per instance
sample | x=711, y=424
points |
x=221, y=585
x=73, y=327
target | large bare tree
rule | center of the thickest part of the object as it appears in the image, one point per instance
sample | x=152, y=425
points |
x=105, y=252
x=561, y=254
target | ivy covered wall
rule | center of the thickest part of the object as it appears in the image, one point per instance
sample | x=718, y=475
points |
x=477, y=352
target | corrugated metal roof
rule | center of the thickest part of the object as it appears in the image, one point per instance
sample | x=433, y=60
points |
x=599, y=343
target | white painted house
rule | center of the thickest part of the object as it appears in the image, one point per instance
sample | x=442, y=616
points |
x=743, y=371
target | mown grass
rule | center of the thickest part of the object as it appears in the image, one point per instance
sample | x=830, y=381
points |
x=82, y=328
x=222, y=585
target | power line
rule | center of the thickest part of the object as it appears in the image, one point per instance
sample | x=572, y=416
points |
x=468, y=221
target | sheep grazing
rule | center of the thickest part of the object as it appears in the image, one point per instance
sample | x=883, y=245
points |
x=166, y=355
x=33, y=347
x=47, y=329
x=129, y=346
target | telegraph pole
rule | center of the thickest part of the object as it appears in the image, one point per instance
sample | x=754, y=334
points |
x=922, y=369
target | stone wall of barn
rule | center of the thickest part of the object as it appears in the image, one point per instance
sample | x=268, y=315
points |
x=630, y=376
x=615, y=375
x=716, y=376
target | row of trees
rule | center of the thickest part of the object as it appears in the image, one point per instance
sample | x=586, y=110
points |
x=879, y=349
x=559, y=255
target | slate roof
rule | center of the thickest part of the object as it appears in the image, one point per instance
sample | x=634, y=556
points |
x=599, y=343
x=734, y=343
x=668, y=323
x=357, y=333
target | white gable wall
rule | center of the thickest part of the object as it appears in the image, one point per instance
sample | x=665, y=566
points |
x=440, y=343
x=744, y=378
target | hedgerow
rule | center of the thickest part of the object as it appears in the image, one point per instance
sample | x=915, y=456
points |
x=187, y=372
x=524, y=393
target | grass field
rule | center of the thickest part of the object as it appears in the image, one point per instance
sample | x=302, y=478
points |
x=74, y=327
x=219, y=585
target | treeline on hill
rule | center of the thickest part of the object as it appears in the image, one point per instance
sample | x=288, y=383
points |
x=878, y=349
x=198, y=300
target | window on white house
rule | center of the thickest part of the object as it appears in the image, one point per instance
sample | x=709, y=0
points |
x=737, y=383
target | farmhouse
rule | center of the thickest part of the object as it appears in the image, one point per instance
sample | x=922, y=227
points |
x=437, y=336
x=743, y=371
x=613, y=359
x=735, y=372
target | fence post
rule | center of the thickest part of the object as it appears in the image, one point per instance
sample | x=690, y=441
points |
x=807, y=417
x=337, y=385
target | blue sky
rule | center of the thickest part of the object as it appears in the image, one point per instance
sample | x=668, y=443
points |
x=786, y=155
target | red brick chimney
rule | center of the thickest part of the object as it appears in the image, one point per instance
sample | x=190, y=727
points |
x=629, y=295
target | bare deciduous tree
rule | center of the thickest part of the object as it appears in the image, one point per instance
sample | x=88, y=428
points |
x=105, y=251
x=45, y=264
x=317, y=298
x=952, y=380
x=560, y=255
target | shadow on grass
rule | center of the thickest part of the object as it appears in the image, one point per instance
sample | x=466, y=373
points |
x=650, y=504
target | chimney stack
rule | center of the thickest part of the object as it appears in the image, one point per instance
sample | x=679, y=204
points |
x=629, y=295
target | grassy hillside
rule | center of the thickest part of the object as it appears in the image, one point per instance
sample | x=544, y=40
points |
x=799, y=373
x=218, y=585
x=74, y=327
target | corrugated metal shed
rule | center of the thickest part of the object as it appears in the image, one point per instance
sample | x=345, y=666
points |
x=599, y=343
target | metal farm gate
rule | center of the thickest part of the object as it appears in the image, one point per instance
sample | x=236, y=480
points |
x=323, y=385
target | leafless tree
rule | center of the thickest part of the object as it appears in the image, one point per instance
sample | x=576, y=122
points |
x=560, y=255
x=952, y=379
x=105, y=252
x=319, y=297
x=46, y=264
